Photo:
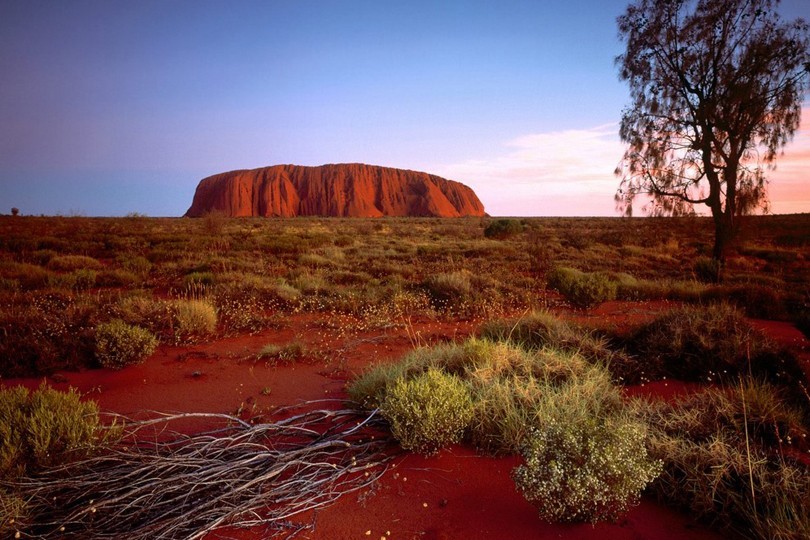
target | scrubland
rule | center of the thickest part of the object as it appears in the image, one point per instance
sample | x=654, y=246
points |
x=543, y=377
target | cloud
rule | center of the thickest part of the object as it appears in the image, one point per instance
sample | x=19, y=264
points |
x=553, y=173
x=570, y=173
x=789, y=184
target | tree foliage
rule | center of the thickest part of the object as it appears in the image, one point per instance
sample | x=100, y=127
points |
x=716, y=89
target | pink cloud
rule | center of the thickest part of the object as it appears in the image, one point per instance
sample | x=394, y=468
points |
x=789, y=183
x=570, y=173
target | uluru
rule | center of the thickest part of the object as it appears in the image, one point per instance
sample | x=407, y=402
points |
x=337, y=190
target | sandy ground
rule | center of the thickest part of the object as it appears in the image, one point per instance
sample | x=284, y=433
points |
x=454, y=495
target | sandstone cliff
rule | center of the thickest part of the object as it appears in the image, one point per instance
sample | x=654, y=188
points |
x=344, y=190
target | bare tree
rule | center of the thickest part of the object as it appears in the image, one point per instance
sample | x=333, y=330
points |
x=717, y=89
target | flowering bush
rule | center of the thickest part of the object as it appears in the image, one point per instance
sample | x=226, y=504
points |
x=119, y=344
x=429, y=411
x=589, y=470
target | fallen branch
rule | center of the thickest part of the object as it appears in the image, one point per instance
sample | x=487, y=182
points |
x=237, y=475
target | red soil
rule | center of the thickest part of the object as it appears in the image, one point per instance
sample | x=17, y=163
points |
x=456, y=494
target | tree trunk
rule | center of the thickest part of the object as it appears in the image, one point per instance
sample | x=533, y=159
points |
x=723, y=236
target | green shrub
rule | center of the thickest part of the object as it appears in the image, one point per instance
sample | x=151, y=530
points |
x=503, y=228
x=509, y=385
x=45, y=427
x=117, y=278
x=145, y=311
x=707, y=269
x=119, y=344
x=194, y=318
x=198, y=279
x=67, y=263
x=449, y=287
x=539, y=329
x=13, y=514
x=698, y=343
x=77, y=280
x=135, y=263
x=583, y=290
x=723, y=459
x=290, y=352
x=28, y=276
x=592, y=469
x=428, y=412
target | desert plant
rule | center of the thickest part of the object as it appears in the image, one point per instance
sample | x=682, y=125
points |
x=45, y=332
x=592, y=469
x=13, y=514
x=503, y=228
x=199, y=280
x=449, y=287
x=194, y=318
x=135, y=263
x=79, y=280
x=145, y=311
x=723, y=459
x=509, y=386
x=290, y=352
x=428, y=412
x=46, y=427
x=699, y=343
x=69, y=263
x=707, y=269
x=538, y=329
x=582, y=289
x=119, y=344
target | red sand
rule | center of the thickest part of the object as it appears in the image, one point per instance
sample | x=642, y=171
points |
x=454, y=495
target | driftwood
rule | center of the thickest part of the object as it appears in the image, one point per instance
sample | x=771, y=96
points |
x=157, y=483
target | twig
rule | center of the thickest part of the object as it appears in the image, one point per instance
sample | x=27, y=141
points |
x=236, y=475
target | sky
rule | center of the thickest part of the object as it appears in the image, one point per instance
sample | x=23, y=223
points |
x=111, y=107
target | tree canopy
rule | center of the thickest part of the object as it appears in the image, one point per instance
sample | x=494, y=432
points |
x=716, y=92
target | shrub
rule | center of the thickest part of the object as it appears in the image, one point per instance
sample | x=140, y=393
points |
x=194, y=318
x=729, y=471
x=198, y=280
x=428, y=412
x=592, y=469
x=42, y=333
x=79, y=280
x=13, y=514
x=46, y=427
x=503, y=228
x=119, y=344
x=583, y=290
x=283, y=353
x=707, y=269
x=117, y=278
x=147, y=312
x=135, y=263
x=449, y=286
x=698, y=343
x=508, y=385
x=28, y=276
x=542, y=329
x=69, y=263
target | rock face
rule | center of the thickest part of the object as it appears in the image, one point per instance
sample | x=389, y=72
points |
x=344, y=190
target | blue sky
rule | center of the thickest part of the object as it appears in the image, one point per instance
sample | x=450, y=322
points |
x=109, y=107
